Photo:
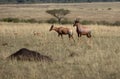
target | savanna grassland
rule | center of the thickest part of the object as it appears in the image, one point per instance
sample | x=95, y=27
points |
x=109, y=11
x=95, y=58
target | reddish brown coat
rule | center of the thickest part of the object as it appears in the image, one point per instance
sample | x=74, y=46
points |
x=81, y=30
x=62, y=31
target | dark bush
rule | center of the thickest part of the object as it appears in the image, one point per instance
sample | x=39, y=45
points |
x=86, y=22
x=117, y=23
x=31, y=21
x=15, y=20
x=66, y=21
x=103, y=23
x=52, y=20
x=109, y=8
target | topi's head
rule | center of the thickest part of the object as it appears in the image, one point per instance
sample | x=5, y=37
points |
x=75, y=23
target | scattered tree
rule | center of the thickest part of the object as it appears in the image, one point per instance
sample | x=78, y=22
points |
x=58, y=13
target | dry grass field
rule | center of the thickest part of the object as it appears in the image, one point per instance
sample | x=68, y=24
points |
x=88, y=11
x=95, y=58
x=84, y=59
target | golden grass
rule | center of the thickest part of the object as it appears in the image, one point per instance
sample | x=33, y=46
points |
x=94, y=59
x=87, y=11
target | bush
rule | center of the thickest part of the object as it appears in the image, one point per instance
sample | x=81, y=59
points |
x=52, y=20
x=15, y=20
x=117, y=23
x=66, y=21
x=86, y=22
x=109, y=8
x=31, y=21
x=103, y=23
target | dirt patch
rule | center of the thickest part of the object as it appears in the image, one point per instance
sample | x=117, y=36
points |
x=29, y=55
x=73, y=54
x=4, y=44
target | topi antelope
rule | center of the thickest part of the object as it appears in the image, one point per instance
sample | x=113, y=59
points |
x=62, y=31
x=82, y=30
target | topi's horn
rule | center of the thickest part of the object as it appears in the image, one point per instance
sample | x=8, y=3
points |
x=77, y=20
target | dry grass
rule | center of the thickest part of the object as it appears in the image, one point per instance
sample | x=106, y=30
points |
x=97, y=58
x=84, y=59
x=88, y=11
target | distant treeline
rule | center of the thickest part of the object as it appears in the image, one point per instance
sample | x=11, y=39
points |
x=52, y=1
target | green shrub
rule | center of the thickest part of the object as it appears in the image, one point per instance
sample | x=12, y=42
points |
x=86, y=22
x=52, y=20
x=66, y=21
x=103, y=23
x=117, y=23
x=31, y=21
x=15, y=20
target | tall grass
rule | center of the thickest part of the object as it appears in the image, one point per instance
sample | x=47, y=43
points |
x=95, y=58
